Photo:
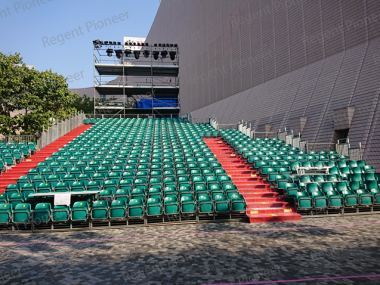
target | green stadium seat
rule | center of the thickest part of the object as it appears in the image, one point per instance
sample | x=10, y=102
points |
x=319, y=200
x=118, y=209
x=60, y=214
x=42, y=213
x=350, y=198
x=238, y=203
x=99, y=210
x=364, y=197
x=205, y=204
x=188, y=205
x=303, y=201
x=5, y=213
x=22, y=214
x=80, y=211
x=136, y=208
x=222, y=204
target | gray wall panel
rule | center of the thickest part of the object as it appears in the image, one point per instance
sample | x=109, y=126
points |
x=269, y=61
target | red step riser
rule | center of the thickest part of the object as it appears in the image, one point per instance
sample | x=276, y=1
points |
x=268, y=219
x=264, y=204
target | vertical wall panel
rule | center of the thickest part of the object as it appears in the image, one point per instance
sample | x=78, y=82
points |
x=267, y=61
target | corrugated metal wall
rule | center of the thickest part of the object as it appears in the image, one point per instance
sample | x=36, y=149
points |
x=268, y=61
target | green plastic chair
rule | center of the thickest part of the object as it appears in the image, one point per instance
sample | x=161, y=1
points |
x=205, y=204
x=60, y=213
x=80, y=211
x=136, y=208
x=238, y=203
x=42, y=213
x=22, y=214
x=171, y=206
x=5, y=213
x=99, y=210
x=118, y=209
x=188, y=205
x=222, y=204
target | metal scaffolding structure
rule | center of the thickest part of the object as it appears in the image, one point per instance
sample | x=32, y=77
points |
x=132, y=71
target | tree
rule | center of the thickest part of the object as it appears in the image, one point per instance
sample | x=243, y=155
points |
x=41, y=97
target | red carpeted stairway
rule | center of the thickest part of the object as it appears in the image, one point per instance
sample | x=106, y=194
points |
x=263, y=202
x=11, y=175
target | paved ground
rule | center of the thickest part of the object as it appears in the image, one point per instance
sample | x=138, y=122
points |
x=199, y=254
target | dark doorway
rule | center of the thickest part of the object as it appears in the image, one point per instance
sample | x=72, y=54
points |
x=340, y=135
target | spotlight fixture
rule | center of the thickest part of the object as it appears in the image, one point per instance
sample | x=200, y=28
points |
x=159, y=44
x=155, y=45
x=106, y=42
x=164, y=53
x=172, y=55
x=168, y=45
x=127, y=52
x=114, y=43
x=171, y=45
x=175, y=45
x=146, y=53
x=126, y=43
x=137, y=54
x=109, y=52
x=146, y=44
x=119, y=43
x=101, y=42
x=164, y=45
x=118, y=52
x=156, y=54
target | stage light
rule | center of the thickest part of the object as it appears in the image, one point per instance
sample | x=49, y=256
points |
x=171, y=45
x=159, y=45
x=109, y=52
x=172, y=55
x=155, y=45
x=175, y=45
x=146, y=44
x=146, y=53
x=114, y=43
x=118, y=52
x=127, y=52
x=126, y=43
x=106, y=42
x=168, y=45
x=119, y=43
x=101, y=42
x=137, y=54
x=156, y=54
x=164, y=53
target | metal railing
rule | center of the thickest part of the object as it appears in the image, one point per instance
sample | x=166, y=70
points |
x=18, y=139
x=59, y=129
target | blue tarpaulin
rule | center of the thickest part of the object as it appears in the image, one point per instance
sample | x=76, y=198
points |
x=147, y=103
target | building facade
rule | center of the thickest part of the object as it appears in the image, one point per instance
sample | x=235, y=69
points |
x=309, y=65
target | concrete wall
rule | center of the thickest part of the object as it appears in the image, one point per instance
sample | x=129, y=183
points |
x=271, y=61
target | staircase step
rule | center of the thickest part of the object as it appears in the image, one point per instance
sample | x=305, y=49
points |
x=266, y=218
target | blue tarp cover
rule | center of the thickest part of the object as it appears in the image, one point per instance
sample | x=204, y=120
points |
x=147, y=103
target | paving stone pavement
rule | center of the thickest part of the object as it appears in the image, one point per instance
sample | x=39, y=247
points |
x=218, y=253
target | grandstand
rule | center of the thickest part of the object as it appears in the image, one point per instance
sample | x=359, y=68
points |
x=133, y=171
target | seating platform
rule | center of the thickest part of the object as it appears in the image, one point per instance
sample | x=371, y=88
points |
x=315, y=183
x=143, y=171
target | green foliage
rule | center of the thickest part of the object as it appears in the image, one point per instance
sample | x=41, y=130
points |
x=39, y=97
x=84, y=104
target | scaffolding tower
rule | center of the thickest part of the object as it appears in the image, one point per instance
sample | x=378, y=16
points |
x=135, y=74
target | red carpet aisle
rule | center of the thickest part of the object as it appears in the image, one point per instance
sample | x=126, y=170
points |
x=263, y=202
x=13, y=174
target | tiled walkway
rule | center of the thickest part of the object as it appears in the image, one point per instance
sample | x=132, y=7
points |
x=198, y=254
